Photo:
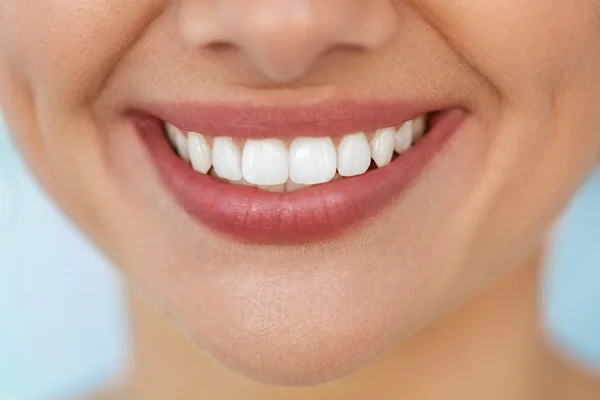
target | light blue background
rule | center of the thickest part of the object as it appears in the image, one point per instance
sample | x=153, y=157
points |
x=572, y=286
x=62, y=322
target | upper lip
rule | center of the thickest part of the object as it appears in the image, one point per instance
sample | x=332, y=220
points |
x=323, y=118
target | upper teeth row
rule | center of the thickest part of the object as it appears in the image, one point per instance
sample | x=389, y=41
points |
x=308, y=161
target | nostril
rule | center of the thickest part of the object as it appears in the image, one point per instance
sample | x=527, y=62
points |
x=284, y=40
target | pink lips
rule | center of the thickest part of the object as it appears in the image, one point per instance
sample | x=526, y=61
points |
x=317, y=212
x=324, y=119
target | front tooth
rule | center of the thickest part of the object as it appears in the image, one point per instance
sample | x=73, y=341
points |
x=418, y=128
x=178, y=140
x=404, y=137
x=382, y=146
x=200, y=153
x=265, y=162
x=227, y=159
x=354, y=155
x=312, y=160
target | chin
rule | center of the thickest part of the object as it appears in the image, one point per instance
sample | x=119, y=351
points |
x=310, y=355
x=303, y=328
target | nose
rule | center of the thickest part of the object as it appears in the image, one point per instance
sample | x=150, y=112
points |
x=284, y=39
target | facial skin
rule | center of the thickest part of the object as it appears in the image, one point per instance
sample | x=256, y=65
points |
x=527, y=73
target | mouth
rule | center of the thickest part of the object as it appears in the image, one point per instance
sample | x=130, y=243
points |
x=273, y=176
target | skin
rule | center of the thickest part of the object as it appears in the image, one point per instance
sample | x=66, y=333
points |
x=528, y=74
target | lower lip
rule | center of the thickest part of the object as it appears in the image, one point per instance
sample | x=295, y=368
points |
x=318, y=212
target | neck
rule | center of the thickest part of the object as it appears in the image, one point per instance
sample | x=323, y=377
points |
x=490, y=348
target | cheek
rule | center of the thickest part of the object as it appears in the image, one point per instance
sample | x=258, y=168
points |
x=54, y=57
x=520, y=46
x=541, y=159
x=66, y=48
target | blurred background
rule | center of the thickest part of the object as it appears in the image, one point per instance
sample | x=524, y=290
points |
x=63, y=328
x=63, y=320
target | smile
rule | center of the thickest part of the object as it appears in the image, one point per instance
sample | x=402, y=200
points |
x=274, y=165
x=238, y=174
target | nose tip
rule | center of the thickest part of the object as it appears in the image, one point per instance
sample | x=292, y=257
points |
x=284, y=39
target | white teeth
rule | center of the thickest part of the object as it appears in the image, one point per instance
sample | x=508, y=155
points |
x=171, y=133
x=409, y=133
x=200, y=153
x=312, y=160
x=227, y=159
x=404, y=137
x=178, y=140
x=418, y=127
x=382, y=146
x=265, y=162
x=268, y=165
x=354, y=155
